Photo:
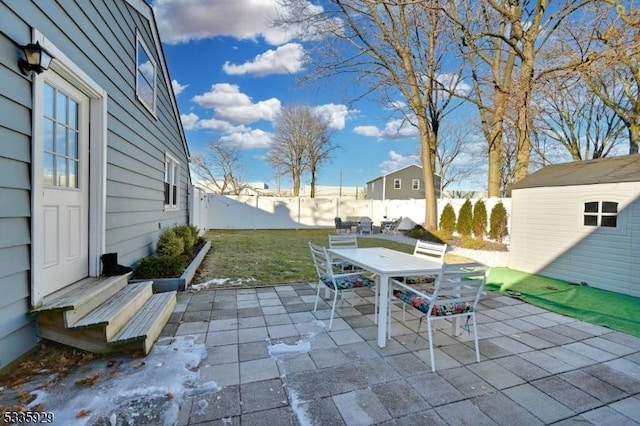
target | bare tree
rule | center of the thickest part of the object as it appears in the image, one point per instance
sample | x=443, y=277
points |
x=521, y=28
x=610, y=56
x=301, y=143
x=395, y=47
x=319, y=149
x=484, y=45
x=454, y=142
x=573, y=117
x=219, y=168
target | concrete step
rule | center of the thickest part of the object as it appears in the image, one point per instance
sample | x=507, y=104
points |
x=143, y=329
x=79, y=299
x=114, y=313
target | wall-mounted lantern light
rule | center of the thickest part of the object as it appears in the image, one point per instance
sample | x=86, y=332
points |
x=37, y=59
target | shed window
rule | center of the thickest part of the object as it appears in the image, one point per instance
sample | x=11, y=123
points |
x=397, y=184
x=171, y=180
x=601, y=213
x=145, y=77
x=415, y=184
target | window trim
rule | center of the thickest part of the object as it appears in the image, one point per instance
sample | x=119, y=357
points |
x=174, y=195
x=415, y=184
x=397, y=181
x=599, y=214
x=141, y=44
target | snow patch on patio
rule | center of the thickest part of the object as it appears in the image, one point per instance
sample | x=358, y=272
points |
x=129, y=390
x=301, y=346
x=212, y=283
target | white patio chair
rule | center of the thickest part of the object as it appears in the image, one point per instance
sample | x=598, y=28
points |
x=365, y=226
x=338, y=283
x=392, y=227
x=343, y=241
x=430, y=250
x=455, y=295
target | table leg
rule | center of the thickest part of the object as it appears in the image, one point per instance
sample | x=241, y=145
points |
x=383, y=310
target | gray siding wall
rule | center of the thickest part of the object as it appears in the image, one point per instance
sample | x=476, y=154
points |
x=406, y=177
x=100, y=38
x=17, y=331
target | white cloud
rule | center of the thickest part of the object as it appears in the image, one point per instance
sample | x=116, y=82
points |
x=287, y=59
x=177, y=87
x=372, y=131
x=254, y=138
x=334, y=115
x=398, y=161
x=231, y=105
x=453, y=83
x=394, y=129
x=189, y=121
x=180, y=21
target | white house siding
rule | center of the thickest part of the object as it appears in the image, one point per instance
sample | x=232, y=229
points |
x=548, y=238
x=99, y=38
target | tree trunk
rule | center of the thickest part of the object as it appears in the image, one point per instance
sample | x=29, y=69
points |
x=428, y=160
x=634, y=138
x=495, y=145
x=525, y=87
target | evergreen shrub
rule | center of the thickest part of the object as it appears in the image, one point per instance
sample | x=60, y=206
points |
x=447, y=221
x=498, y=223
x=479, y=219
x=170, y=244
x=465, y=218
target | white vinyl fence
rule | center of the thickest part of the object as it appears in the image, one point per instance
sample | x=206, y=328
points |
x=255, y=212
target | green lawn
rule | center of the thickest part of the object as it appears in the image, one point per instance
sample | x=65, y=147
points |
x=270, y=257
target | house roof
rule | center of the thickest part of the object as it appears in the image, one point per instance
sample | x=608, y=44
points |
x=604, y=170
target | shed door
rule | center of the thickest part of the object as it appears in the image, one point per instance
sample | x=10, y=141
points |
x=64, y=228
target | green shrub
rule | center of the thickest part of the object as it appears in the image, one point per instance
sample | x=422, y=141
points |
x=479, y=219
x=447, y=221
x=465, y=218
x=170, y=244
x=185, y=232
x=160, y=267
x=472, y=243
x=498, y=223
x=441, y=235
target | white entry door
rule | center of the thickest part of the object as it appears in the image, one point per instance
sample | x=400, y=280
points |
x=64, y=224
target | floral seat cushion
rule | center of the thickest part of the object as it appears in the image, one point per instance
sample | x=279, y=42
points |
x=422, y=304
x=419, y=279
x=348, y=281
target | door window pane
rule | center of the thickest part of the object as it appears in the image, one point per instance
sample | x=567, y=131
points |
x=49, y=93
x=48, y=168
x=60, y=139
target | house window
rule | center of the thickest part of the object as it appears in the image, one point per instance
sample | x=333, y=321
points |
x=415, y=184
x=171, y=180
x=601, y=213
x=397, y=184
x=145, y=77
x=61, y=160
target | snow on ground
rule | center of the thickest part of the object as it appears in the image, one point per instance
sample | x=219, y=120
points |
x=145, y=390
x=220, y=281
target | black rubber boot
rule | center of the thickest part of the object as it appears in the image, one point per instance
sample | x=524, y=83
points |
x=110, y=265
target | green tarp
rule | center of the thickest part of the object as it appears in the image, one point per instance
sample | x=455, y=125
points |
x=606, y=308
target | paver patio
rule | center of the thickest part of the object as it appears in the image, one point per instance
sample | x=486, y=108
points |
x=276, y=364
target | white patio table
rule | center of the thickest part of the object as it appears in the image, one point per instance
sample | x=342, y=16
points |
x=386, y=263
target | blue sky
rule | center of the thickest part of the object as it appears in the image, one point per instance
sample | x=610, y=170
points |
x=232, y=71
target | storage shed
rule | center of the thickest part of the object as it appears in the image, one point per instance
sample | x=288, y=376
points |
x=580, y=222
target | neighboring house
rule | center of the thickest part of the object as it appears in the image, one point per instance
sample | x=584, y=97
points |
x=580, y=222
x=93, y=157
x=403, y=184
